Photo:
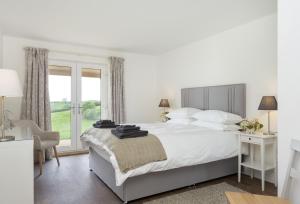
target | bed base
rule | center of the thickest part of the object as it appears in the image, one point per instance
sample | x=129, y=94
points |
x=157, y=182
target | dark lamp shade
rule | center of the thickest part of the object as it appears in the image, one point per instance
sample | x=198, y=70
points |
x=268, y=103
x=164, y=103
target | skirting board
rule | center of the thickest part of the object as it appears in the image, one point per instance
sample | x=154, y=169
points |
x=157, y=182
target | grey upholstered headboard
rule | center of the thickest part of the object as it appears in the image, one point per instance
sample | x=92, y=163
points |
x=229, y=98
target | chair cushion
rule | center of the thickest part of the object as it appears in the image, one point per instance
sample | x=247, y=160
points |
x=48, y=143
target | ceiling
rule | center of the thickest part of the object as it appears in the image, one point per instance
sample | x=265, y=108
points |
x=143, y=26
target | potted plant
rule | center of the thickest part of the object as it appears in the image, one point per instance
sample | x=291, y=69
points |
x=251, y=126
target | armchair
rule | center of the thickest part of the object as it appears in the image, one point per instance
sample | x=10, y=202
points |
x=42, y=140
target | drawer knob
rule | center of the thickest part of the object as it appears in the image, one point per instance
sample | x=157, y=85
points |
x=249, y=138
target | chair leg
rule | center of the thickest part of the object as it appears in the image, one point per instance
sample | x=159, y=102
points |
x=55, y=153
x=40, y=153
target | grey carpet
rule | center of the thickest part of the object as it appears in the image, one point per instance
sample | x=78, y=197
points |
x=214, y=194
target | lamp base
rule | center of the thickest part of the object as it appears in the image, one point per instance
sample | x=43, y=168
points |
x=7, y=138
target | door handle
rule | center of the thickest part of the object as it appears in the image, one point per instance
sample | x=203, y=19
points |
x=79, y=109
x=73, y=108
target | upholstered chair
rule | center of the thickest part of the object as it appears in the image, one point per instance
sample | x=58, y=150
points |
x=42, y=140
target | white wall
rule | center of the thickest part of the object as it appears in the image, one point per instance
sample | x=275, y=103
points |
x=244, y=54
x=140, y=73
x=288, y=85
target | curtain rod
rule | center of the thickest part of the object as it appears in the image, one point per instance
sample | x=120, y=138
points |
x=76, y=53
x=80, y=54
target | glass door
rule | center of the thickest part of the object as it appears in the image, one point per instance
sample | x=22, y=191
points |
x=88, y=97
x=62, y=92
x=74, y=91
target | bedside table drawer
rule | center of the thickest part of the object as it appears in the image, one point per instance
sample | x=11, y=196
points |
x=249, y=139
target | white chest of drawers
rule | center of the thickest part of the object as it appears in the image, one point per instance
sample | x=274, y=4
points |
x=16, y=171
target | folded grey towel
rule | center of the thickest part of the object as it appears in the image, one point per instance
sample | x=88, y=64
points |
x=105, y=122
x=127, y=128
x=104, y=125
x=123, y=135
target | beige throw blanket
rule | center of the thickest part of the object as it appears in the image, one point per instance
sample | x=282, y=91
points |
x=130, y=153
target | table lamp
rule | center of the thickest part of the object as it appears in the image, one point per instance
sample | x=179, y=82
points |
x=268, y=103
x=9, y=87
x=164, y=103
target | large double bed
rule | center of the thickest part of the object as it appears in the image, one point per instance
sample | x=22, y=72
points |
x=194, y=154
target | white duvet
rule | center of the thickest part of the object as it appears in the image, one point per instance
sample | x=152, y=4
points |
x=185, y=145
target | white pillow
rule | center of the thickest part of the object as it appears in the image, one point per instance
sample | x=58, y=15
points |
x=182, y=113
x=217, y=116
x=183, y=121
x=216, y=126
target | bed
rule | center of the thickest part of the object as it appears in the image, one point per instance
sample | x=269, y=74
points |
x=218, y=160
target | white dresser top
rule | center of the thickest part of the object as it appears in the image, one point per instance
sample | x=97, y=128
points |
x=19, y=133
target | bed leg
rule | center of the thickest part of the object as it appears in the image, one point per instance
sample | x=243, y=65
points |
x=192, y=186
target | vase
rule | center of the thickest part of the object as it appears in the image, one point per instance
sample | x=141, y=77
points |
x=250, y=131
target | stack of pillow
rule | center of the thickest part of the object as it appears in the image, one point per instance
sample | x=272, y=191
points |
x=182, y=116
x=217, y=120
x=212, y=119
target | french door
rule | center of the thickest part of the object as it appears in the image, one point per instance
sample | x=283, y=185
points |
x=75, y=97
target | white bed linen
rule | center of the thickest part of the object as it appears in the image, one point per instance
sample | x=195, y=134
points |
x=185, y=145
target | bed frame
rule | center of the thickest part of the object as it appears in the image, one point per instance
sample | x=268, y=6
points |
x=229, y=98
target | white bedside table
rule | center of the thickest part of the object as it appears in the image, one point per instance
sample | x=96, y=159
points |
x=262, y=165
